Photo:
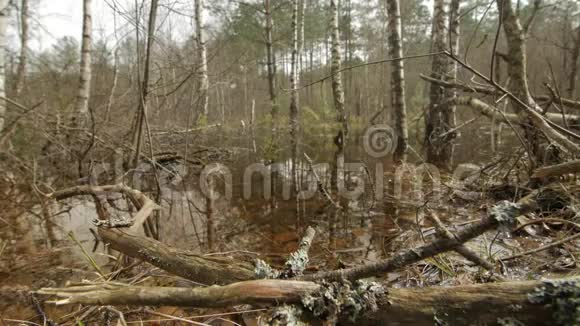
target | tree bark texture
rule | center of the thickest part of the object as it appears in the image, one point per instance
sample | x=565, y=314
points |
x=142, y=108
x=338, y=96
x=395, y=50
x=202, y=77
x=271, y=62
x=4, y=21
x=294, y=99
x=82, y=104
x=533, y=302
x=23, y=58
x=437, y=119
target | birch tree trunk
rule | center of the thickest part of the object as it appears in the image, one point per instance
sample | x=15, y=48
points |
x=395, y=50
x=203, y=81
x=4, y=19
x=82, y=104
x=294, y=105
x=435, y=123
x=23, y=60
x=338, y=96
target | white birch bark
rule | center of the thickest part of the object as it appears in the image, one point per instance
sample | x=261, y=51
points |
x=203, y=81
x=4, y=18
x=395, y=49
x=82, y=103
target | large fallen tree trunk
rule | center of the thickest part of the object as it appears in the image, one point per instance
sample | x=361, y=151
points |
x=528, y=302
x=203, y=269
x=491, y=91
x=493, y=112
x=558, y=169
x=198, y=268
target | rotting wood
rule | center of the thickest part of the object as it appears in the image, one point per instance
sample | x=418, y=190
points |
x=537, y=302
x=557, y=170
x=203, y=269
x=502, y=214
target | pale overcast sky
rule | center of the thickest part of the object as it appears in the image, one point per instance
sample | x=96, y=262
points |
x=54, y=19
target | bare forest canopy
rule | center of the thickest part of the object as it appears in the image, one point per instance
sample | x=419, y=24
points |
x=291, y=162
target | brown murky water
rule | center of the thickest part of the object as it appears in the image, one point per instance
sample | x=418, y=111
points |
x=37, y=253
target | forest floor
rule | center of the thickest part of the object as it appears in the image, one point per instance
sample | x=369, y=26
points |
x=36, y=252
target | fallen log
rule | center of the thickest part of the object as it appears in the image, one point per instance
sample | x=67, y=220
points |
x=492, y=112
x=490, y=91
x=557, y=170
x=548, y=302
x=203, y=269
x=461, y=249
x=502, y=214
x=540, y=122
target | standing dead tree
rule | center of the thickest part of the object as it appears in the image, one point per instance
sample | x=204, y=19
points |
x=395, y=49
x=517, y=69
x=338, y=95
x=4, y=19
x=81, y=111
x=574, y=65
x=294, y=95
x=141, y=115
x=23, y=58
x=439, y=118
x=271, y=63
x=202, y=77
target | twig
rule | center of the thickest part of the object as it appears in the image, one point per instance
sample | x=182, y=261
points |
x=461, y=249
x=503, y=213
x=321, y=186
x=370, y=64
x=547, y=220
x=546, y=247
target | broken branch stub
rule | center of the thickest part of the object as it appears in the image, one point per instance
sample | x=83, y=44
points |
x=294, y=266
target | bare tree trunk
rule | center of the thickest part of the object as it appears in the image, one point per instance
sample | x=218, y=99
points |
x=574, y=64
x=338, y=95
x=4, y=19
x=23, y=60
x=82, y=103
x=294, y=105
x=271, y=62
x=113, y=86
x=203, y=81
x=142, y=109
x=517, y=71
x=395, y=49
x=435, y=123
x=448, y=114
